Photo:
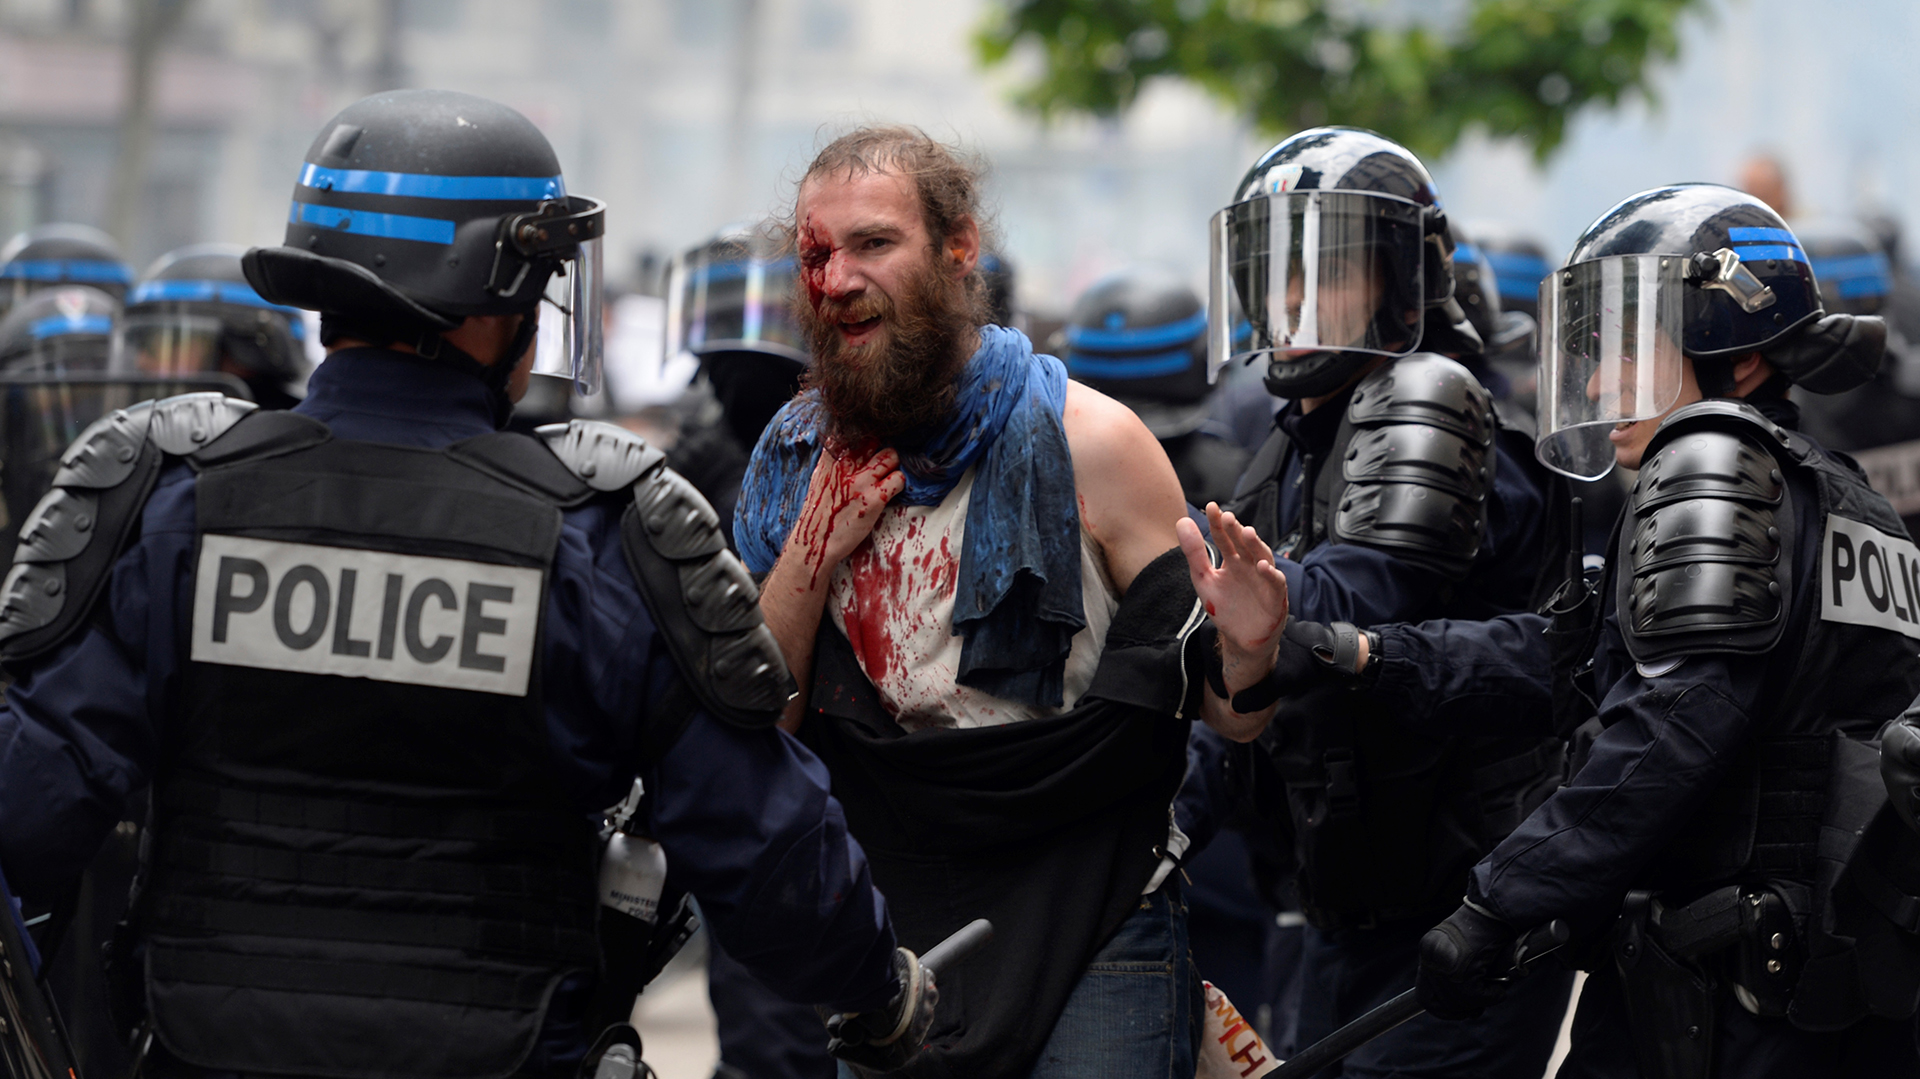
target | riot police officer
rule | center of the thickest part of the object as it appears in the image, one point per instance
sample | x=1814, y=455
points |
x=61, y=254
x=193, y=312
x=1389, y=489
x=49, y=343
x=1723, y=857
x=382, y=662
x=1140, y=337
x=728, y=304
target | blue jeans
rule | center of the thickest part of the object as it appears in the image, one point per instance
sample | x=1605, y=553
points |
x=1136, y=1012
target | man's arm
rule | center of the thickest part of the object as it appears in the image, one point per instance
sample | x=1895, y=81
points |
x=845, y=498
x=1130, y=501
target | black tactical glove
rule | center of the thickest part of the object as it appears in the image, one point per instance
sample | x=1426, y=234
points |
x=884, y=1041
x=1900, y=767
x=1464, y=964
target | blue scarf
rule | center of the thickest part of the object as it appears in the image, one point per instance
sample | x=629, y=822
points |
x=1017, y=599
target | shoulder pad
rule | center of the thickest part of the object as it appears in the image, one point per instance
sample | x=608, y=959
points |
x=701, y=598
x=1418, y=464
x=605, y=456
x=1708, y=537
x=68, y=544
x=1426, y=389
x=265, y=434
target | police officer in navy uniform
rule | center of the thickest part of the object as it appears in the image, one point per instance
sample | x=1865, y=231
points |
x=1389, y=489
x=193, y=313
x=1725, y=856
x=382, y=663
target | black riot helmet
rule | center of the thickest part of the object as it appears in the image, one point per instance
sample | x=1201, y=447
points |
x=1140, y=336
x=57, y=330
x=1694, y=270
x=61, y=254
x=418, y=208
x=1336, y=248
x=193, y=312
x=1849, y=265
x=729, y=302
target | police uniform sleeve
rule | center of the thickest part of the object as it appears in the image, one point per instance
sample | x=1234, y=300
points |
x=77, y=733
x=1669, y=740
x=743, y=811
x=1490, y=678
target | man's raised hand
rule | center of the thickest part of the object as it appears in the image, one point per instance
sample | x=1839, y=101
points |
x=1246, y=595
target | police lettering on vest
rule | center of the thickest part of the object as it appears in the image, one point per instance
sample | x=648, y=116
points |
x=1872, y=578
x=366, y=614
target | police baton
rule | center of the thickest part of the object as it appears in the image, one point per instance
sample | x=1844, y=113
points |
x=964, y=942
x=1542, y=941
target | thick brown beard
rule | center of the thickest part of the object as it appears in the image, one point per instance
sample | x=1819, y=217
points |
x=906, y=387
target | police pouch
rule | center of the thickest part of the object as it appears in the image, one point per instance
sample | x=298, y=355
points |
x=1670, y=1002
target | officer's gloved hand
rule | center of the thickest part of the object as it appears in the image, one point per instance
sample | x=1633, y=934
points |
x=1464, y=963
x=1314, y=654
x=1900, y=767
x=884, y=1041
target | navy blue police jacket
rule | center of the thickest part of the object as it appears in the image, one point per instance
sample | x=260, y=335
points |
x=1671, y=734
x=1348, y=582
x=745, y=817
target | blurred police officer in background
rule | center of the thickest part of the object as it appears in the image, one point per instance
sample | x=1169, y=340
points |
x=193, y=312
x=1140, y=337
x=1856, y=278
x=1388, y=487
x=728, y=303
x=374, y=798
x=61, y=254
x=48, y=343
x=1724, y=857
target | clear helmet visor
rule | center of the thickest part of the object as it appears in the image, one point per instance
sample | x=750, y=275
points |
x=572, y=335
x=1315, y=271
x=732, y=297
x=1610, y=333
x=169, y=342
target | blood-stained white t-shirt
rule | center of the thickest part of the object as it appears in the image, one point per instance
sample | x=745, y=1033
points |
x=894, y=596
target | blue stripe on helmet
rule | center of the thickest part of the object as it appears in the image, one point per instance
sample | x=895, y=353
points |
x=431, y=230
x=1756, y=236
x=93, y=270
x=231, y=292
x=1162, y=336
x=1466, y=252
x=1156, y=365
x=62, y=326
x=422, y=185
x=1750, y=252
x=1860, y=288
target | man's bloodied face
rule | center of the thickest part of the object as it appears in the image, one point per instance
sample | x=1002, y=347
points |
x=884, y=306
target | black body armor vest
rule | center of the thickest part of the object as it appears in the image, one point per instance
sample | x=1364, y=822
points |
x=380, y=868
x=1386, y=821
x=1705, y=557
x=363, y=862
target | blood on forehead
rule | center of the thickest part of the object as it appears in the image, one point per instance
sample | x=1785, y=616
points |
x=816, y=250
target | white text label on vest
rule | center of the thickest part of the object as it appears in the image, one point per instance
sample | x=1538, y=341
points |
x=365, y=614
x=1869, y=577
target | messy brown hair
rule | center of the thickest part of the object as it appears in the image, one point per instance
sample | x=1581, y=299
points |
x=947, y=179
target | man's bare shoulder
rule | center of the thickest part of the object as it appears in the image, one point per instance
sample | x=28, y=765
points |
x=1129, y=495
x=1104, y=433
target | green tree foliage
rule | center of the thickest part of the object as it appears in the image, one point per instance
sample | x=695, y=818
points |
x=1518, y=68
